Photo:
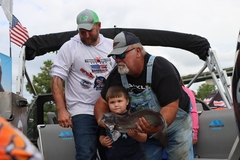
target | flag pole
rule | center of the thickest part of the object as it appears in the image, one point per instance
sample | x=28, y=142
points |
x=7, y=6
x=10, y=46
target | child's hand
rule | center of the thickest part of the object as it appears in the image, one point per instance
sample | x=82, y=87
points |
x=194, y=141
x=107, y=142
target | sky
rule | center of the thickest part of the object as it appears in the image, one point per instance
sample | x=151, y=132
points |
x=217, y=21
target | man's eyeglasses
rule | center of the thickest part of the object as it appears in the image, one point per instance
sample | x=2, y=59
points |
x=122, y=56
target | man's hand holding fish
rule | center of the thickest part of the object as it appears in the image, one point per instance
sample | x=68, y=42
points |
x=145, y=127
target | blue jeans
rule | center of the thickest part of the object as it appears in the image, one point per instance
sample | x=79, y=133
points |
x=164, y=154
x=179, y=140
x=85, y=138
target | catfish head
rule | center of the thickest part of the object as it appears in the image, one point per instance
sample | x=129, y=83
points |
x=109, y=120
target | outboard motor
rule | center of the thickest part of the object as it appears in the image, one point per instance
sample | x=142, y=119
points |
x=14, y=109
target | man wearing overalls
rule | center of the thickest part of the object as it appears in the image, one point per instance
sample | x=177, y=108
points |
x=152, y=83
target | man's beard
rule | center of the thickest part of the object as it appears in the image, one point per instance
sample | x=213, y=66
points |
x=122, y=68
x=89, y=42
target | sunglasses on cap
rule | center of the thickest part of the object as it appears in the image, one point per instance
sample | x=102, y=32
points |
x=122, y=56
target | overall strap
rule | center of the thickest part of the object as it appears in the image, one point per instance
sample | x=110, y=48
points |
x=149, y=70
x=149, y=74
x=124, y=81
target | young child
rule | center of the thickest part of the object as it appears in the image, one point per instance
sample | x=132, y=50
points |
x=121, y=145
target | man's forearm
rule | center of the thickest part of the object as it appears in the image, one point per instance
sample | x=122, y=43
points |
x=169, y=112
x=57, y=92
x=100, y=108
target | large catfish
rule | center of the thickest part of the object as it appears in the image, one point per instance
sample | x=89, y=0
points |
x=122, y=123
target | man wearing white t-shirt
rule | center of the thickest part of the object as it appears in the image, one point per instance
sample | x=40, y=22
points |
x=83, y=64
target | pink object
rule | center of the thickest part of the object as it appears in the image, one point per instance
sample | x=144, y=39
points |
x=194, y=113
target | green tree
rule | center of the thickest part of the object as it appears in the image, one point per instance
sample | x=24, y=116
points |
x=41, y=83
x=204, y=90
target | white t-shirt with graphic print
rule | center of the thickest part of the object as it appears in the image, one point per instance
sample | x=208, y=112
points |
x=84, y=69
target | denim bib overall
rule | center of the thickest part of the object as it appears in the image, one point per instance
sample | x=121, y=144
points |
x=179, y=132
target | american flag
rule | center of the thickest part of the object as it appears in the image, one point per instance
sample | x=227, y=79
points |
x=18, y=33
